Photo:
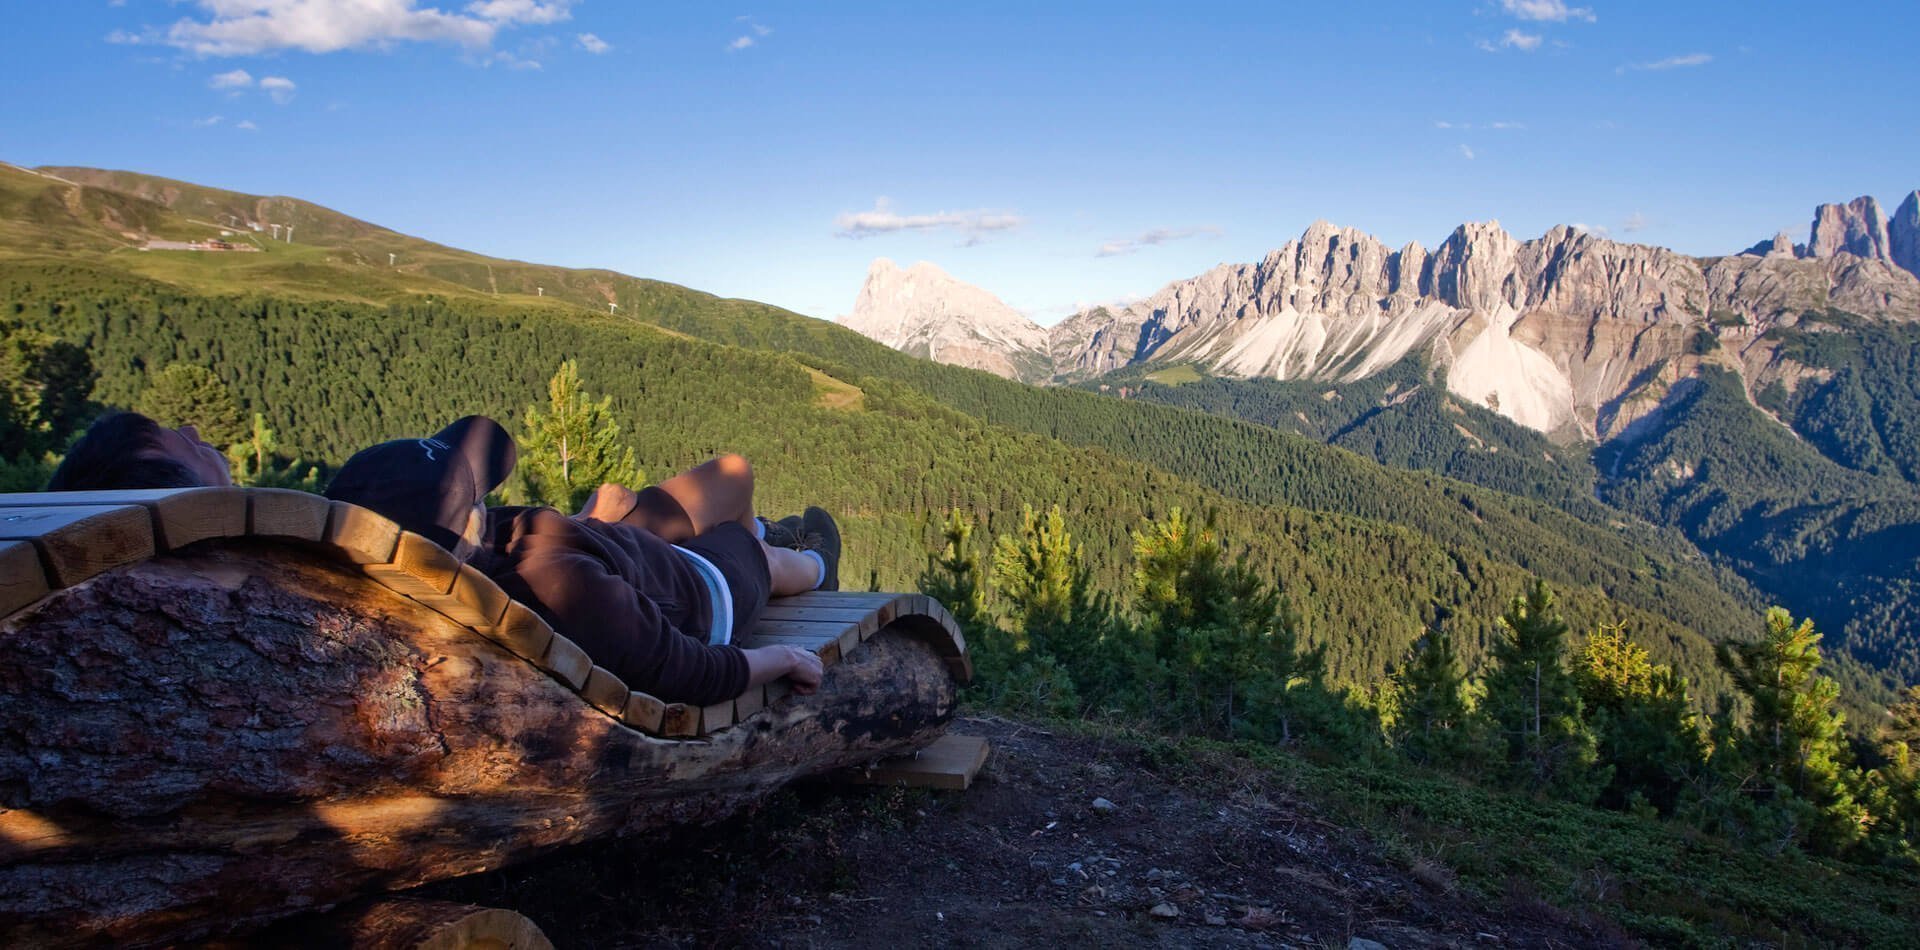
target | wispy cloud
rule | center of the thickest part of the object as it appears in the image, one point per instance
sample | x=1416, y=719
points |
x=1513, y=39
x=246, y=124
x=279, y=87
x=1546, y=11
x=1597, y=230
x=509, y=60
x=237, y=79
x=1671, y=62
x=1153, y=238
x=593, y=44
x=1635, y=222
x=207, y=122
x=1495, y=126
x=883, y=219
x=1466, y=152
x=755, y=31
x=253, y=27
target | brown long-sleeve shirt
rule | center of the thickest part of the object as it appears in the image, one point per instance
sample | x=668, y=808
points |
x=625, y=596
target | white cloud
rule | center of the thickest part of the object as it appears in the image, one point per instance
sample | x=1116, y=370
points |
x=755, y=29
x=246, y=124
x=279, y=87
x=206, y=123
x=238, y=79
x=1596, y=230
x=1466, y=152
x=1546, y=11
x=251, y=27
x=1635, y=222
x=1495, y=126
x=1153, y=238
x=521, y=11
x=1513, y=39
x=1671, y=62
x=509, y=60
x=884, y=220
x=593, y=44
x=1506, y=126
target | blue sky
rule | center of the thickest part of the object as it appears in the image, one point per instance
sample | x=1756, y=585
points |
x=1055, y=154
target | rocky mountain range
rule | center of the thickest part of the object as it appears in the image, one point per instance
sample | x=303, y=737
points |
x=1571, y=334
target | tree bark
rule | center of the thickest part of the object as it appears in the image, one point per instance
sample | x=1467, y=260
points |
x=398, y=923
x=210, y=740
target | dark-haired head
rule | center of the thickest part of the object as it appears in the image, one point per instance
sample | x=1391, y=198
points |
x=126, y=450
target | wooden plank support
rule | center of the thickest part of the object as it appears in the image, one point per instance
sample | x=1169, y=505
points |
x=680, y=721
x=361, y=535
x=418, y=568
x=522, y=632
x=749, y=703
x=949, y=764
x=199, y=514
x=644, y=712
x=605, y=692
x=77, y=542
x=285, y=513
x=475, y=600
x=22, y=579
x=716, y=717
x=567, y=662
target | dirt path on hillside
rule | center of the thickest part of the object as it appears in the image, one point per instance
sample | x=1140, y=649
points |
x=1026, y=857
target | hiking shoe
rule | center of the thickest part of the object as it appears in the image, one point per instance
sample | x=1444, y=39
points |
x=822, y=535
x=784, y=533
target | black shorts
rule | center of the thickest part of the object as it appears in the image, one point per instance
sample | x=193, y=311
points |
x=737, y=554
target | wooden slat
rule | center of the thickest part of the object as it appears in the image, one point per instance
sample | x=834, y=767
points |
x=716, y=717
x=780, y=611
x=567, y=662
x=644, y=712
x=80, y=541
x=522, y=632
x=605, y=692
x=950, y=764
x=680, y=721
x=750, y=702
x=185, y=517
x=418, y=567
x=834, y=598
x=22, y=579
x=285, y=513
x=67, y=499
x=808, y=643
x=362, y=536
x=475, y=599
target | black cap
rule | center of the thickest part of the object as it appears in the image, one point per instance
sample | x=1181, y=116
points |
x=429, y=486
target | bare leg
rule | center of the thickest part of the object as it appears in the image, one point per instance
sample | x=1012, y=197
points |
x=793, y=572
x=709, y=494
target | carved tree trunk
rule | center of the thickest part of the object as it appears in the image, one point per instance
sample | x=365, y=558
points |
x=213, y=739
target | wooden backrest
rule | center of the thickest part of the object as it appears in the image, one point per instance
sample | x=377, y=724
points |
x=52, y=540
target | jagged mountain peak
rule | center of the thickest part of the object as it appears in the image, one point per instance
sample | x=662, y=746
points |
x=923, y=310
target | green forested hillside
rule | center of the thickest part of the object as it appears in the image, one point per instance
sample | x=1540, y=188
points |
x=335, y=376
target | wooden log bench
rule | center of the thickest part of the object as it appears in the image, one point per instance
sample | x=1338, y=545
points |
x=220, y=707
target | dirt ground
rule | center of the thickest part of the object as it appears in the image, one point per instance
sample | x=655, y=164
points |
x=1063, y=840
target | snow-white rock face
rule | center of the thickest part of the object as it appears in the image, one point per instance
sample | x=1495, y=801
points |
x=1571, y=334
x=924, y=311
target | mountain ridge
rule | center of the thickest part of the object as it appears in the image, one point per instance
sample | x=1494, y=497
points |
x=1565, y=333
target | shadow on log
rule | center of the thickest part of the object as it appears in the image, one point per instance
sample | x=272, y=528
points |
x=243, y=730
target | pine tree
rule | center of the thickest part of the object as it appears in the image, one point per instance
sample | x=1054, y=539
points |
x=187, y=394
x=574, y=446
x=45, y=385
x=1643, y=720
x=1793, y=750
x=1534, y=707
x=1431, y=725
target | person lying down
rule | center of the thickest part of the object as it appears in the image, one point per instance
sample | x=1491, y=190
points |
x=655, y=583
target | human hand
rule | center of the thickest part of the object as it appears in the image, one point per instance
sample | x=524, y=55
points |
x=804, y=669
